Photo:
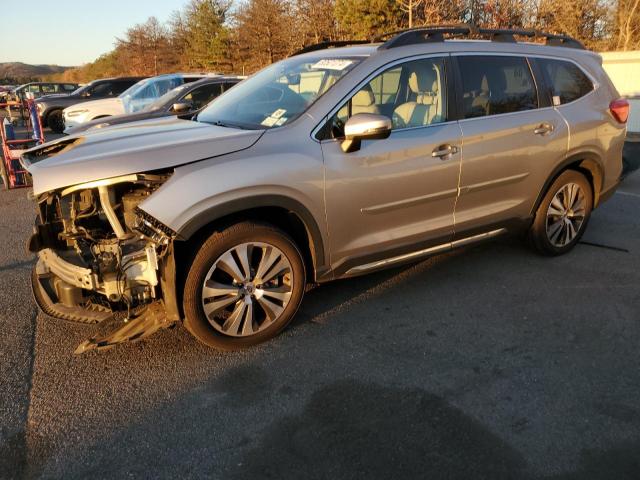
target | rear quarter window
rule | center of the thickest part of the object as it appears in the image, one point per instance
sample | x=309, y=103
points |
x=566, y=80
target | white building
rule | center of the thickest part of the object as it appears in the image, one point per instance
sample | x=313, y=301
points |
x=624, y=70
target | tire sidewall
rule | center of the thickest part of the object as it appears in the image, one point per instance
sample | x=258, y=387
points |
x=216, y=245
x=54, y=121
x=539, y=230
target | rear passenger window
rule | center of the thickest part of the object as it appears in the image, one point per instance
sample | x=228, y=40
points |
x=118, y=87
x=492, y=85
x=568, y=82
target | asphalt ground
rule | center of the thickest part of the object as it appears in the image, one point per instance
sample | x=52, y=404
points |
x=488, y=362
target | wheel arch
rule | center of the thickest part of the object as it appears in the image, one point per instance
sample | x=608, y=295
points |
x=283, y=212
x=587, y=163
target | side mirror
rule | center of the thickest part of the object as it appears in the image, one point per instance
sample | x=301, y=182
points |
x=365, y=126
x=181, y=107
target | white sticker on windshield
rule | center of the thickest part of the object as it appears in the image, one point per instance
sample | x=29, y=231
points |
x=332, y=64
x=281, y=121
x=278, y=113
x=269, y=122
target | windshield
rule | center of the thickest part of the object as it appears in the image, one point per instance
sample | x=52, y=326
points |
x=156, y=104
x=143, y=93
x=278, y=94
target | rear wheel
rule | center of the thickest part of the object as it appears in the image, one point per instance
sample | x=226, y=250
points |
x=563, y=214
x=55, y=121
x=244, y=286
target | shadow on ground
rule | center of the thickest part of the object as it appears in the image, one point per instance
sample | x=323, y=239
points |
x=357, y=430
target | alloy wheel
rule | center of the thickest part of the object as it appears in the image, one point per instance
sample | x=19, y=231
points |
x=247, y=289
x=565, y=215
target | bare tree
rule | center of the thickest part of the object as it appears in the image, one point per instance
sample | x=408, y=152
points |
x=145, y=48
x=266, y=31
x=315, y=20
x=586, y=20
x=409, y=6
x=627, y=24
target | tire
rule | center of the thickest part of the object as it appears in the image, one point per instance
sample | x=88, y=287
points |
x=55, y=121
x=220, y=298
x=563, y=214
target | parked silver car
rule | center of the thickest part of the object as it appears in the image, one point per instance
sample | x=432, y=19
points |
x=329, y=164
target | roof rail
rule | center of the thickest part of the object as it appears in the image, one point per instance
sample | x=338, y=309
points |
x=329, y=44
x=436, y=33
x=426, y=34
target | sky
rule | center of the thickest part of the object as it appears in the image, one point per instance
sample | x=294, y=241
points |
x=71, y=32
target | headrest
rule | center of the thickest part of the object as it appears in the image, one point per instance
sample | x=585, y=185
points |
x=364, y=98
x=484, y=85
x=422, y=77
x=494, y=83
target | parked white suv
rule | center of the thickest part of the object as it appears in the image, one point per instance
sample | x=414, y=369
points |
x=134, y=99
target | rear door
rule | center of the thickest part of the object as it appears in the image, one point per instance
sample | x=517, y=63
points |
x=512, y=140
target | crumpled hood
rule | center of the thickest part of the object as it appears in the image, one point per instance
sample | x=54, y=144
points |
x=131, y=148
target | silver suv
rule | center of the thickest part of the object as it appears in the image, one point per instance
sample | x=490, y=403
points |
x=332, y=163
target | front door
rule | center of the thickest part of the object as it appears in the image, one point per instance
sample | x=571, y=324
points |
x=395, y=195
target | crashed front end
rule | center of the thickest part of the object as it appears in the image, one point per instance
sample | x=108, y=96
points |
x=103, y=259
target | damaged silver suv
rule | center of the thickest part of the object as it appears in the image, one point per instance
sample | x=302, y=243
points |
x=332, y=163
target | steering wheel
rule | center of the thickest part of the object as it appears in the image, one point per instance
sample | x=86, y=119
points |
x=285, y=98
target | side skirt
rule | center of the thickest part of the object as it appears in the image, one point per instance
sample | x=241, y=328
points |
x=408, y=257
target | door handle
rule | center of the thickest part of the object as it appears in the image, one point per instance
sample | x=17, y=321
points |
x=444, y=151
x=543, y=129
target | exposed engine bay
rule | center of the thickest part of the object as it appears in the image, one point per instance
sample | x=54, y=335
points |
x=101, y=257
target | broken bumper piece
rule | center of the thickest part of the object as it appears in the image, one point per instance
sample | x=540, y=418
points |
x=60, y=299
x=152, y=319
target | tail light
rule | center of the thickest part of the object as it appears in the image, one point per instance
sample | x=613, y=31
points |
x=620, y=110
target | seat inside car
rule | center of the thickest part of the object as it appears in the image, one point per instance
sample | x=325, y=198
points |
x=364, y=102
x=423, y=107
x=492, y=95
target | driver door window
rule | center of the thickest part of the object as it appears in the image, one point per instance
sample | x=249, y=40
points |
x=412, y=94
x=101, y=90
x=201, y=96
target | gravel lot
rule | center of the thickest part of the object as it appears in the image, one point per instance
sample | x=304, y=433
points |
x=489, y=362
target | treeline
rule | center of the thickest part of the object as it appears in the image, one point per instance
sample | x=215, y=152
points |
x=244, y=36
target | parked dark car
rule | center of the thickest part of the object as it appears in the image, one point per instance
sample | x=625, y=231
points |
x=50, y=106
x=186, y=100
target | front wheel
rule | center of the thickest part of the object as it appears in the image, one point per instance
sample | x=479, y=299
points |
x=244, y=286
x=563, y=214
x=55, y=121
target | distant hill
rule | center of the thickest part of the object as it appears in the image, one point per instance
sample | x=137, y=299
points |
x=18, y=71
